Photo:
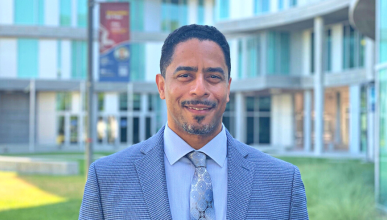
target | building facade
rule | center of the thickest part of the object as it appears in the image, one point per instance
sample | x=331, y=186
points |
x=303, y=77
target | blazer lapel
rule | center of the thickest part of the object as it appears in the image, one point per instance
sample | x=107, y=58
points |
x=240, y=179
x=151, y=173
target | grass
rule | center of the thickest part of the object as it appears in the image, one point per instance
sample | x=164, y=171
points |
x=336, y=189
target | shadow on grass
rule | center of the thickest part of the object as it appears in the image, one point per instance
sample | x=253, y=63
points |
x=59, y=211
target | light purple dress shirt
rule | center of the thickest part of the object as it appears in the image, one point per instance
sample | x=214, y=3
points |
x=179, y=172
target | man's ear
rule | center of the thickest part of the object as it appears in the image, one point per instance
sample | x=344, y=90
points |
x=228, y=89
x=160, y=82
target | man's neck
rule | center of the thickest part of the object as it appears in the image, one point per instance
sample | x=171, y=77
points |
x=193, y=140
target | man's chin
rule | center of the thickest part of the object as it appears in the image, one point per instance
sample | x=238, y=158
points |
x=198, y=129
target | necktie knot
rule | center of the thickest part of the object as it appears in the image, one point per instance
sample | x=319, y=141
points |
x=197, y=158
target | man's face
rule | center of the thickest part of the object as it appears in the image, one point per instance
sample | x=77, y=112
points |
x=196, y=87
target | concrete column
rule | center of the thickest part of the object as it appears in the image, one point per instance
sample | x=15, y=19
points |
x=354, y=119
x=144, y=110
x=307, y=120
x=32, y=116
x=369, y=59
x=263, y=50
x=240, y=117
x=209, y=12
x=338, y=119
x=318, y=85
x=371, y=122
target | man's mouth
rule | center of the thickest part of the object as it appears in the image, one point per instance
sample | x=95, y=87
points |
x=198, y=109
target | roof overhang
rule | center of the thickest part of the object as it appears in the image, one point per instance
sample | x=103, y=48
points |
x=362, y=16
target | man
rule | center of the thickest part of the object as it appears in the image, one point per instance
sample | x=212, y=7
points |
x=193, y=168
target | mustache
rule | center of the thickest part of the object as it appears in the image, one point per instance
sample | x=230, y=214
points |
x=207, y=103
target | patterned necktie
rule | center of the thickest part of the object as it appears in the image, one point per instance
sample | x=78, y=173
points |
x=201, y=195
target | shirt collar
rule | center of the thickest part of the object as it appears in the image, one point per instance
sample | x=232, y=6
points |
x=175, y=148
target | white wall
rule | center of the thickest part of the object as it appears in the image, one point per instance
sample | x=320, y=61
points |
x=66, y=59
x=306, y=51
x=6, y=11
x=337, y=47
x=282, y=120
x=152, y=20
x=46, y=118
x=48, y=59
x=153, y=54
x=235, y=9
x=8, y=57
x=51, y=13
x=273, y=6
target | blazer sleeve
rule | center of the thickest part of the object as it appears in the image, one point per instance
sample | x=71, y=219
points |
x=298, y=209
x=91, y=207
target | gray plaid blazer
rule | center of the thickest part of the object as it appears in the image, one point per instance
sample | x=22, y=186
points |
x=131, y=184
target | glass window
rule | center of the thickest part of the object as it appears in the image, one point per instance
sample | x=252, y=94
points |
x=101, y=101
x=353, y=48
x=201, y=12
x=261, y=6
x=79, y=59
x=253, y=59
x=264, y=104
x=74, y=129
x=280, y=4
x=27, y=58
x=264, y=130
x=382, y=31
x=63, y=101
x=136, y=102
x=292, y=3
x=123, y=129
x=136, y=15
x=82, y=13
x=148, y=132
x=101, y=130
x=150, y=102
x=250, y=103
x=240, y=58
x=328, y=49
x=136, y=129
x=65, y=13
x=29, y=12
x=60, y=130
x=228, y=115
x=123, y=105
x=278, y=57
x=137, y=62
x=224, y=6
x=174, y=14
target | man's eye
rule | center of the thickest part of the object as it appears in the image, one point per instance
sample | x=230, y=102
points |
x=215, y=77
x=183, y=75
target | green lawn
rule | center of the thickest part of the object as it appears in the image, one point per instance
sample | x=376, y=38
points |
x=336, y=189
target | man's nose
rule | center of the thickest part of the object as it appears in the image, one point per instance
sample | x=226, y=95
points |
x=199, y=87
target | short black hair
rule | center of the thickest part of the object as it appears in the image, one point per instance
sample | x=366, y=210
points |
x=193, y=31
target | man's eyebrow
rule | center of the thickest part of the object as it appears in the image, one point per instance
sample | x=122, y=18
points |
x=214, y=70
x=186, y=68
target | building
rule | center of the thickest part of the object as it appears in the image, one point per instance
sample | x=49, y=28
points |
x=374, y=25
x=303, y=77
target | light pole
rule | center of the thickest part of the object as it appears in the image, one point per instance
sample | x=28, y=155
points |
x=90, y=88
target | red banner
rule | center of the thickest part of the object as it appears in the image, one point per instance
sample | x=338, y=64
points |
x=114, y=24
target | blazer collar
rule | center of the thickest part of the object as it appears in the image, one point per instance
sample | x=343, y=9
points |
x=151, y=173
x=240, y=179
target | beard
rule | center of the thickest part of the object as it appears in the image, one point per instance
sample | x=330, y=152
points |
x=199, y=128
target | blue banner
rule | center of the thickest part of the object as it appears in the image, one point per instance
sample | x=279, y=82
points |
x=115, y=64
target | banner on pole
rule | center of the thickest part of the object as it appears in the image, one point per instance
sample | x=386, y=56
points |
x=114, y=47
